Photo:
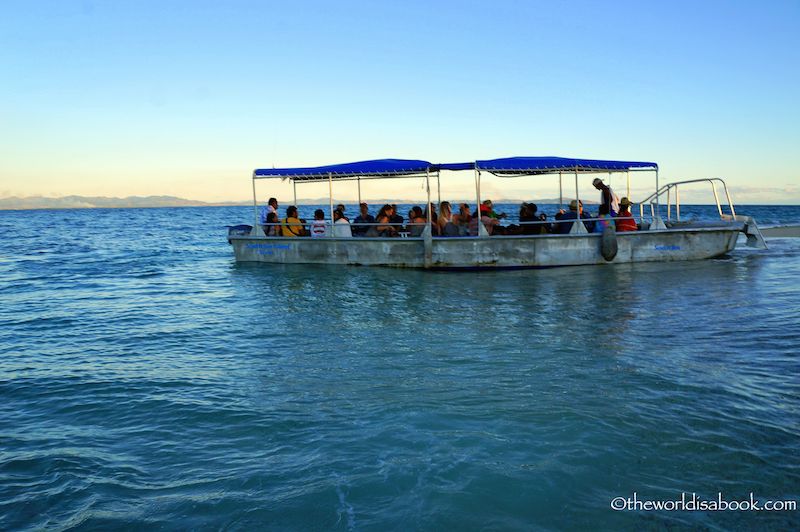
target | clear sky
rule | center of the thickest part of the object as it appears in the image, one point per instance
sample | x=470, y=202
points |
x=120, y=98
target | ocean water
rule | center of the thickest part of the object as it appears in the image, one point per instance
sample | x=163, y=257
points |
x=147, y=380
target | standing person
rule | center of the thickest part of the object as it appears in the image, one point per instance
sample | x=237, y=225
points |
x=363, y=218
x=318, y=227
x=607, y=196
x=624, y=219
x=270, y=207
x=341, y=225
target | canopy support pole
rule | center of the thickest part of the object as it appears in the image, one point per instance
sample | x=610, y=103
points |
x=256, y=231
x=560, y=193
x=578, y=226
x=658, y=223
x=330, y=198
x=481, y=228
x=428, y=233
x=669, y=204
x=359, y=192
x=294, y=188
x=438, y=190
x=628, y=174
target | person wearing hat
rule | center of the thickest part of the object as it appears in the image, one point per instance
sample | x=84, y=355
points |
x=607, y=196
x=575, y=212
x=364, y=218
x=624, y=220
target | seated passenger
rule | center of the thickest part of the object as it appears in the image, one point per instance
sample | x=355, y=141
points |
x=434, y=220
x=364, y=218
x=527, y=218
x=272, y=226
x=292, y=225
x=604, y=221
x=340, y=208
x=270, y=208
x=416, y=222
x=491, y=224
x=445, y=216
x=396, y=219
x=544, y=227
x=490, y=212
x=461, y=219
x=573, y=214
x=341, y=226
x=318, y=227
x=384, y=221
x=446, y=221
x=624, y=219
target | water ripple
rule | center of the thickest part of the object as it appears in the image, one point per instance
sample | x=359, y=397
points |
x=147, y=380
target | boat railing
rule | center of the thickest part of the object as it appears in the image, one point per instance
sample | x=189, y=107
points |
x=550, y=224
x=353, y=225
x=674, y=186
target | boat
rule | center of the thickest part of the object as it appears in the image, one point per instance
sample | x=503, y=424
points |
x=659, y=238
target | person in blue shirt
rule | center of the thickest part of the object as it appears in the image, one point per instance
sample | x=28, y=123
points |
x=364, y=218
x=564, y=227
x=604, y=221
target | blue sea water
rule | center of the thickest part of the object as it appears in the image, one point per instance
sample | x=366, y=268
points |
x=147, y=380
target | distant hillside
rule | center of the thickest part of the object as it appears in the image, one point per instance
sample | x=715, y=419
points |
x=133, y=202
x=100, y=202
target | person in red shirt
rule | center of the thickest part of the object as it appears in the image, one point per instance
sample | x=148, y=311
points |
x=624, y=220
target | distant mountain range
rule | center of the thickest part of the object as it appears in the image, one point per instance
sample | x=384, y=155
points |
x=132, y=202
x=100, y=202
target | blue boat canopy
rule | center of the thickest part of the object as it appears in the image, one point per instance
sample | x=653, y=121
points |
x=546, y=165
x=455, y=166
x=361, y=169
x=411, y=167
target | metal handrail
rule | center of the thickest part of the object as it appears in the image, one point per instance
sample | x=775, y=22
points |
x=674, y=185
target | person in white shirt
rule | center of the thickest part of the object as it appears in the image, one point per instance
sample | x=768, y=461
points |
x=270, y=207
x=607, y=196
x=341, y=227
x=318, y=228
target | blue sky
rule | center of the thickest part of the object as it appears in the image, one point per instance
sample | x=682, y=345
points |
x=186, y=98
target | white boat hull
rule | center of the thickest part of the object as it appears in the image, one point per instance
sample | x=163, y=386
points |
x=539, y=251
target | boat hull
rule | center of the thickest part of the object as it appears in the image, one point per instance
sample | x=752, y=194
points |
x=539, y=251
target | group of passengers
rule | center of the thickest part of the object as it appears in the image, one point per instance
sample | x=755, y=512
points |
x=446, y=223
x=612, y=212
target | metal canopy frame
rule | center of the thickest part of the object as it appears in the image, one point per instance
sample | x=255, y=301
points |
x=340, y=177
x=330, y=177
